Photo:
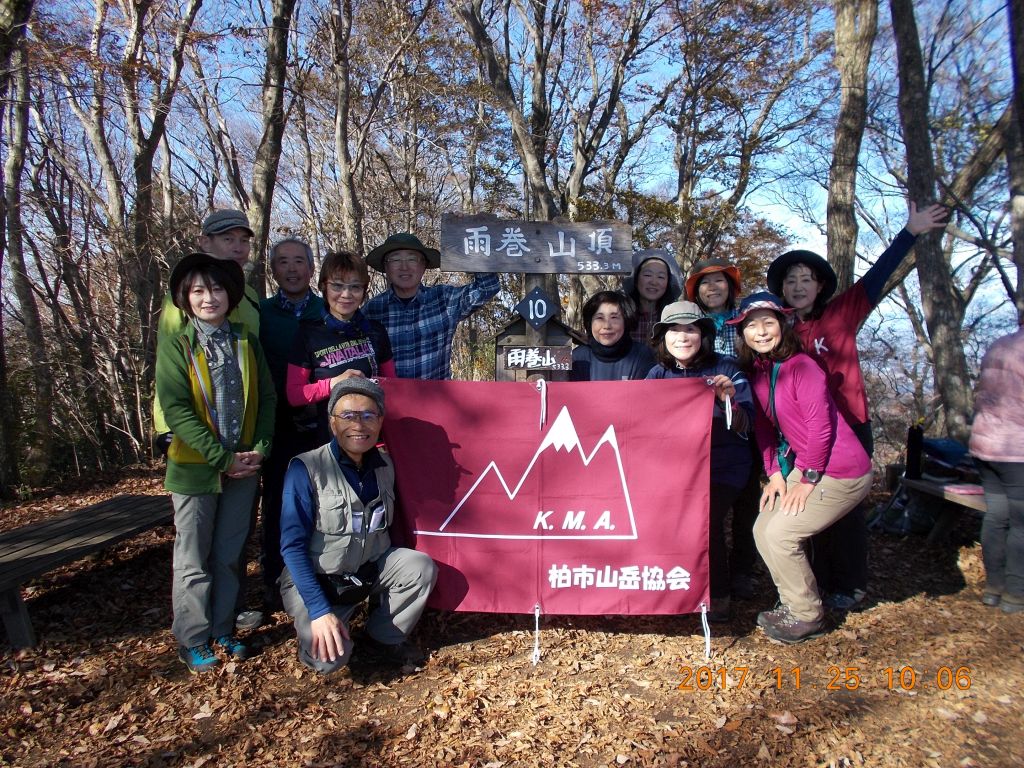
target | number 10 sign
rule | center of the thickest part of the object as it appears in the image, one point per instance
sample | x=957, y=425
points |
x=537, y=308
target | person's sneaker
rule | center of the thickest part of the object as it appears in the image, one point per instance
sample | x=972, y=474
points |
x=842, y=602
x=721, y=610
x=398, y=655
x=249, y=620
x=991, y=599
x=789, y=629
x=198, y=658
x=766, y=618
x=233, y=647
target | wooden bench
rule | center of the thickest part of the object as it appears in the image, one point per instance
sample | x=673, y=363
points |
x=950, y=512
x=38, y=548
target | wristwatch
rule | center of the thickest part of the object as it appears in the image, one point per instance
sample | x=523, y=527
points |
x=811, y=476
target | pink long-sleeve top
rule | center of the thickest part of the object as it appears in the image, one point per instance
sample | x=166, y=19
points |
x=807, y=417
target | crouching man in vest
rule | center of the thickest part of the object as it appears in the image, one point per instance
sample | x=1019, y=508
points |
x=339, y=501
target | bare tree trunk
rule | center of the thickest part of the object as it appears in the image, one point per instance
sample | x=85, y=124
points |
x=12, y=49
x=268, y=153
x=856, y=26
x=37, y=460
x=1015, y=147
x=943, y=306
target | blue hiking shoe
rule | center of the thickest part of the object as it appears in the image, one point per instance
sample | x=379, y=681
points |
x=233, y=647
x=198, y=658
x=840, y=602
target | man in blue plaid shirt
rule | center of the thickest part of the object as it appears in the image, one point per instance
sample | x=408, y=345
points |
x=421, y=320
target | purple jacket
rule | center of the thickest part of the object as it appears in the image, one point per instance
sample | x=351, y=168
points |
x=809, y=420
x=998, y=430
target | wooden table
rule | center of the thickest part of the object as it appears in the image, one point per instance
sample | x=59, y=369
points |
x=950, y=512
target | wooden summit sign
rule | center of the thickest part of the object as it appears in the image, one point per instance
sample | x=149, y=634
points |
x=485, y=243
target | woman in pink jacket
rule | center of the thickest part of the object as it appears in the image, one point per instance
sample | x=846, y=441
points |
x=817, y=469
x=998, y=449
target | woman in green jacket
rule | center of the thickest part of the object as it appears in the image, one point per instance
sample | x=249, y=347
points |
x=218, y=399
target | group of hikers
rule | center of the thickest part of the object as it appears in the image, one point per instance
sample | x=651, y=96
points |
x=235, y=373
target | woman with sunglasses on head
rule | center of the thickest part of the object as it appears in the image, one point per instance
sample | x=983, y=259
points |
x=342, y=344
x=817, y=469
x=684, y=344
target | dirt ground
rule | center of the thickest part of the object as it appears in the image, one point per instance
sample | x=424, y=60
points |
x=924, y=676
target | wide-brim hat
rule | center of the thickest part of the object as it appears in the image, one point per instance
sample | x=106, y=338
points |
x=403, y=241
x=778, y=269
x=707, y=267
x=759, y=300
x=683, y=313
x=357, y=385
x=225, y=271
x=224, y=220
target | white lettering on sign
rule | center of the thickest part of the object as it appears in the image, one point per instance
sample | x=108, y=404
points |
x=601, y=241
x=647, y=578
x=513, y=242
x=562, y=250
x=477, y=241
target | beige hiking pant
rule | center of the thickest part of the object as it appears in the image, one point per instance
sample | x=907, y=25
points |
x=781, y=539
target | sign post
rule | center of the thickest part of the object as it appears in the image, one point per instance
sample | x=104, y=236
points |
x=485, y=243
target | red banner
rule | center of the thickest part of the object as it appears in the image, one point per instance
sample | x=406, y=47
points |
x=600, y=509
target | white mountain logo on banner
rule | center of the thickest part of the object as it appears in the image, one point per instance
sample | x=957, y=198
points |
x=542, y=505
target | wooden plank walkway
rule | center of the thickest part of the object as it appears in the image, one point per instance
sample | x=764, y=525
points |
x=38, y=548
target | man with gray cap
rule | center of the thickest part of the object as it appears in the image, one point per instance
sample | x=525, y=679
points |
x=339, y=502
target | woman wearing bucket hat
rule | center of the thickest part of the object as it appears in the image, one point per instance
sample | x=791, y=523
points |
x=218, y=398
x=817, y=469
x=828, y=327
x=654, y=283
x=610, y=353
x=684, y=344
x=341, y=345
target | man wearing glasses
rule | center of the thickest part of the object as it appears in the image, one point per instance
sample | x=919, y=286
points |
x=421, y=320
x=339, y=501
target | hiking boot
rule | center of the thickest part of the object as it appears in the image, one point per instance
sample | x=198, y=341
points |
x=198, y=658
x=249, y=620
x=789, y=629
x=991, y=599
x=233, y=647
x=842, y=602
x=398, y=655
x=721, y=610
x=766, y=618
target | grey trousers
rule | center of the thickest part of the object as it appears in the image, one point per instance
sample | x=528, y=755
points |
x=406, y=579
x=781, y=539
x=209, y=534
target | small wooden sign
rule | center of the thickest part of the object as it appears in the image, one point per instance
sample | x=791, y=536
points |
x=538, y=358
x=485, y=243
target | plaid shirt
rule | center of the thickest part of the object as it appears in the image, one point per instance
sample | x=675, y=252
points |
x=421, y=329
x=725, y=335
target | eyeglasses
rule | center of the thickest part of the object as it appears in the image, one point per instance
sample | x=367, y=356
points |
x=343, y=287
x=366, y=417
x=403, y=261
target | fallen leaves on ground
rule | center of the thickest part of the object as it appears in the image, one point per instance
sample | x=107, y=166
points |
x=924, y=676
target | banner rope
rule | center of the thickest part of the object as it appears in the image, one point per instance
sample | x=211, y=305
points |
x=728, y=413
x=542, y=388
x=536, y=633
x=707, y=631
